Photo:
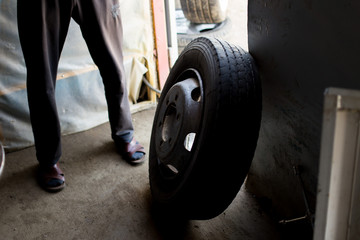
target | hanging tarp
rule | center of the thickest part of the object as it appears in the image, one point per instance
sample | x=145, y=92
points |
x=79, y=90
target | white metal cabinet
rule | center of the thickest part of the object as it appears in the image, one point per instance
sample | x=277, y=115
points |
x=338, y=198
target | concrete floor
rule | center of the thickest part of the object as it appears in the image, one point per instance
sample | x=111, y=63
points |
x=106, y=198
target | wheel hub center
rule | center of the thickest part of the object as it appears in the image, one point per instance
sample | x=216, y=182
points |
x=178, y=117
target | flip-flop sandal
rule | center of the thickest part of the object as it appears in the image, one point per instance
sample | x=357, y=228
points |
x=52, y=178
x=133, y=152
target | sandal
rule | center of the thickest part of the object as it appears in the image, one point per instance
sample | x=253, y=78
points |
x=133, y=152
x=51, y=178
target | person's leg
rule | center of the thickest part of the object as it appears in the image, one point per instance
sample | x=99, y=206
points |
x=43, y=26
x=101, y=27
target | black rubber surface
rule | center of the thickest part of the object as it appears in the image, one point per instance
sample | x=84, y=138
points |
x=225, y=118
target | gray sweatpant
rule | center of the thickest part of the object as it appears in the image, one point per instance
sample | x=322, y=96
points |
x=43, y=26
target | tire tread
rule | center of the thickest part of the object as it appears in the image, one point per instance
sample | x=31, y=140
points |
x=232, y=109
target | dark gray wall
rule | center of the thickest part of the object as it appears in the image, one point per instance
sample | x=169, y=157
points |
x=301, y=48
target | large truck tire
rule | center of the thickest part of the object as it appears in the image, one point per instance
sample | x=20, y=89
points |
x=204, y=11
x=205, y=129
x=219, y=30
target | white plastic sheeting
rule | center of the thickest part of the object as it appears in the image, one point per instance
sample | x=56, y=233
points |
x=79, y=90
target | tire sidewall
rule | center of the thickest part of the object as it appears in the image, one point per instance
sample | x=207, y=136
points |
x=216, y=166
x=222, y=31
x=195, y=11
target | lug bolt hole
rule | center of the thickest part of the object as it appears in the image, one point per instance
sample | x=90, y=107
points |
x=196, y=94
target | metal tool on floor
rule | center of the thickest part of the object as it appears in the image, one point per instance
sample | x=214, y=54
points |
x=308, y=215
x=2, y=158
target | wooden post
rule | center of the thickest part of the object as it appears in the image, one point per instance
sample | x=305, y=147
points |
x=161, y=51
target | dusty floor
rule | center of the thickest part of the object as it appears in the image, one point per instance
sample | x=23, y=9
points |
x=106, y=198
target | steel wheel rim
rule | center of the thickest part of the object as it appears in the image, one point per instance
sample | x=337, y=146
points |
x=178, y=123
